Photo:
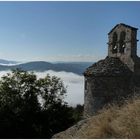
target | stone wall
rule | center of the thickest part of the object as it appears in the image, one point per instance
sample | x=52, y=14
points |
x=103, y=90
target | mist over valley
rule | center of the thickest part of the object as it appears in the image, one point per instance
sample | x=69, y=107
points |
x=70, y=73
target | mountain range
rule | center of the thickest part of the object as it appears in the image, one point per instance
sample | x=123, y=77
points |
x=40, y=66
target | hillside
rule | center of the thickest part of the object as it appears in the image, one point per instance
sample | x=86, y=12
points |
x=41, y=66
x=112, y=122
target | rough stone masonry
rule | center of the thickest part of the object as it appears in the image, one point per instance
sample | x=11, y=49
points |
x=118, y=75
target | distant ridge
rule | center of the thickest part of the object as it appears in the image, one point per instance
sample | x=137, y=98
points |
x=40, y=66
x=3, y=61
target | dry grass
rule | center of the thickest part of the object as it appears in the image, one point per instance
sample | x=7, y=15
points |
x=115, y=122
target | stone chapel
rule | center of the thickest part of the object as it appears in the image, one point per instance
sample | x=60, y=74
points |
x=118, y=75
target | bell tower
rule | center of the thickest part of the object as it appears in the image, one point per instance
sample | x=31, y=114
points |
x=123, y=44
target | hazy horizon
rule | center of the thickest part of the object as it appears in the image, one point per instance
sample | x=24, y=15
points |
x=45, y=61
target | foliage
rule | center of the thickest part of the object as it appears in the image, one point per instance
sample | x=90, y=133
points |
x=78, y=112
x=31, y=107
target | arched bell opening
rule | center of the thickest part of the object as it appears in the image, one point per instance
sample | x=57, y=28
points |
x=122, y=45
x=114, y=43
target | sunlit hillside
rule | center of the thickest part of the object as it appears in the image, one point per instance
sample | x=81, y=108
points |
x=112, y=122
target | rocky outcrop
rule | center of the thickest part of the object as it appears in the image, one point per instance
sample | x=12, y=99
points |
x=73, y=132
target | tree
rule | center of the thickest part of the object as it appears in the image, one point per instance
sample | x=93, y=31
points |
x=31, y=107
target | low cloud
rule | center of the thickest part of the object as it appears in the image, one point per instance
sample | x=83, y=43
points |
x=10, y=64
x=73, y=82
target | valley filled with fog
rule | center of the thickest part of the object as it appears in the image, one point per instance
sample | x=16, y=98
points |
x=73, y=82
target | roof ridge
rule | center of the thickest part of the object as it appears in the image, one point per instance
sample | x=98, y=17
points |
x=128, y=26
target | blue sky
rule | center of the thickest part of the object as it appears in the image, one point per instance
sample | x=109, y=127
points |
x=61, y=31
